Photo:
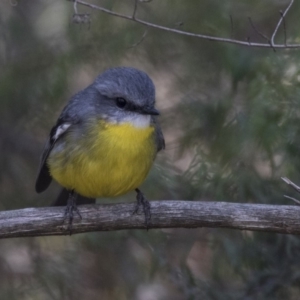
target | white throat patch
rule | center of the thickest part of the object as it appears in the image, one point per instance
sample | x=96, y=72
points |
x=137, y=120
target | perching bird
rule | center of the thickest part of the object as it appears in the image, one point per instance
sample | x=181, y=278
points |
x=104, y=142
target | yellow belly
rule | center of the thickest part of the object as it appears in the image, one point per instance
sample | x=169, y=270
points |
x=110, y=160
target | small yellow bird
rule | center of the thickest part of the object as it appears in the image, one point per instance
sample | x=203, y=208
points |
x=104, y=142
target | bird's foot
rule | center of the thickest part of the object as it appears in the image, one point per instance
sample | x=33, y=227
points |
x=142, y=201
x=70, y=209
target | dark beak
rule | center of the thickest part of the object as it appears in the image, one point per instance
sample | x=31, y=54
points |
x=150, y=111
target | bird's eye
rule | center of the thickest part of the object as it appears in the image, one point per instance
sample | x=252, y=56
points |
x=121, y=102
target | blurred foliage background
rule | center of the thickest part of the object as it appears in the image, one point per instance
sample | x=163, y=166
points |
x=231, y=119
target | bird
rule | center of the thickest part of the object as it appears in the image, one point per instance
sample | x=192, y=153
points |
x=104, y=142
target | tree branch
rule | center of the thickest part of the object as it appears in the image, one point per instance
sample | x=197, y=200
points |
x=247, y=43
x=165, y=214
x=280, y=21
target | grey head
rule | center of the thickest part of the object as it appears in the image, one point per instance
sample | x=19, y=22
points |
x=118, y=95
x=127, y=94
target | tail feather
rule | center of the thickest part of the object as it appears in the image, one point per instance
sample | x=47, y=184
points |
x=63, y=197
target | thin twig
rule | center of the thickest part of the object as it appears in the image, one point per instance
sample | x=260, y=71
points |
x=257, y=31
x=80, y=18
x=279, y=22
x=75, y=7
x=140, y=40
x=292, y=184
x=134, y=9
x=260, y=33
x=182, y=32
x=294, y=199
x=284, y=26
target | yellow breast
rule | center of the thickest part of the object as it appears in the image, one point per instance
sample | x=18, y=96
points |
x=110, y=160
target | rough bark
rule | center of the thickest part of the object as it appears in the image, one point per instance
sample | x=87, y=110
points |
x=165, y=214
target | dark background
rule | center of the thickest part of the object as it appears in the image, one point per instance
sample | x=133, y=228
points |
x=230, y=115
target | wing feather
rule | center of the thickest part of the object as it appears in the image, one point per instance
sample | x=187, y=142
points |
x=44, y=178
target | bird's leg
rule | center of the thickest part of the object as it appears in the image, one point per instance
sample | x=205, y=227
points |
x=141, y=200
x=70, y=208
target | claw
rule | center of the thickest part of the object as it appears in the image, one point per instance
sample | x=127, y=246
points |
x=70, y=209
x=142, y=201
